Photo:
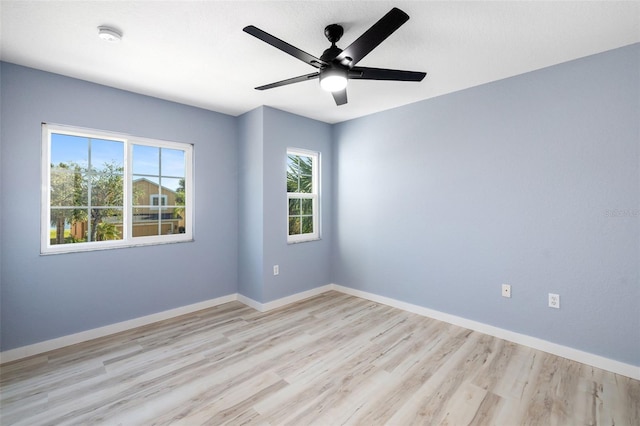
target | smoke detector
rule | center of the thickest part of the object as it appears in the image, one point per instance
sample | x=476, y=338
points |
x=109, y=34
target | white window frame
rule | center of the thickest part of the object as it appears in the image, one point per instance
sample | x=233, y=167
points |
x=314, y=196
x=127, y=238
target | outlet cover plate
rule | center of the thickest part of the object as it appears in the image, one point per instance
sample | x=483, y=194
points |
x=554, y=300
x=506, y=290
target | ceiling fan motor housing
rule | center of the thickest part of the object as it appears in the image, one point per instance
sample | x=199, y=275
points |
x=330, y=54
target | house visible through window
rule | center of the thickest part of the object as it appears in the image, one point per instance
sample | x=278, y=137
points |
x=108, y=190
x=302, y=195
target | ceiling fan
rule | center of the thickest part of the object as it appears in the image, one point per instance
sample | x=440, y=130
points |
x=336, y=65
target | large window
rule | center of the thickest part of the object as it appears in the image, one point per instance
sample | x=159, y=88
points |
x=105, y=190
x=302, y=195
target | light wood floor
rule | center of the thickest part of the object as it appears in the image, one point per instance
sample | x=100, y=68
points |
x=331, y=359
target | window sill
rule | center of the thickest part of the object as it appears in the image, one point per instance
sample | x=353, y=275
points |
x=304, y=241
x=71, y=250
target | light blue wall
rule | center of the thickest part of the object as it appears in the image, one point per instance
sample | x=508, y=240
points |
x=44, y=297
x=440, y=202
x=306, y=265
x=250, y=217
x=266, y=133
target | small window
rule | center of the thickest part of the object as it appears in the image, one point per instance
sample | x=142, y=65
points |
x=155, y=200
x=107, y=190
x=302, y=195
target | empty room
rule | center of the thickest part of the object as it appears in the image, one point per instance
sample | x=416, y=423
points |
x=319, y=212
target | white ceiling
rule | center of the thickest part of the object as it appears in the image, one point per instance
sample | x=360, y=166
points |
x=196, y=53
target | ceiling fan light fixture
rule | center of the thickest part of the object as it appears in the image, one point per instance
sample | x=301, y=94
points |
x=333, y=80
x=109, y=34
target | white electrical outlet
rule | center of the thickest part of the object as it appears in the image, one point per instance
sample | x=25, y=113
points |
x=554, y=300
x=276, y=269
x=506, y=290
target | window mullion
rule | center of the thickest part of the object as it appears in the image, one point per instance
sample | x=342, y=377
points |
x=159, y=191
x=127, y=202
x=89, y=224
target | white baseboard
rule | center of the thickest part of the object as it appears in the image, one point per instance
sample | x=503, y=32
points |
x=598, y=361
x=83, y=336
x=250, y=302
x=278, y=303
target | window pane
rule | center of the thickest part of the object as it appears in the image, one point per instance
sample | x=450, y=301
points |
x=179, y=216
x=306, y=184
x=66, y=187
x=107, y=189
x=172, y=220
x=146, y=160
x=293, y=164
x=142, y=188
x=171, y=184
x=299, y=173
x=166, y=222
x=294, y=206
x=107, y=155
x=106, y=224
x=172, y=162
x=293, y=173
x=173, y=191
x=140, y=214
x=180, y=194
x=306, y=171
x=306, y=164
x=292, y=183
x=294, y=225
x=146, y=227
x=69, y=150
x=307, y=206
x=60, y=229
x=307, y=224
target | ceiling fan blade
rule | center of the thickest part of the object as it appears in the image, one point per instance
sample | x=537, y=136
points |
x=290, y=81
x=374, y=36
x=284, y=46
x=340, y=97
x=365, y=73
